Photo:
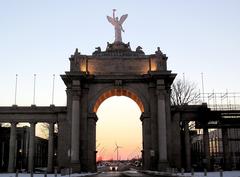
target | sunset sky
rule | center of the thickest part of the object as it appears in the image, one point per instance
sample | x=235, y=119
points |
x=124, y=128
x=38, y=37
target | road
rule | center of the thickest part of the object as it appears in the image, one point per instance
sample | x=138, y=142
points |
x=121, y=174
x=124, y=170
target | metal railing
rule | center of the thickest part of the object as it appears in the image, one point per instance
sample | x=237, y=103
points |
x=219, y=101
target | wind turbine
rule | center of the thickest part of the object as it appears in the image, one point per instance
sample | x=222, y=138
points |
x=116, y=149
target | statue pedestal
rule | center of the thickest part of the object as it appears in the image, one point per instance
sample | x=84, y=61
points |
x=118, y=46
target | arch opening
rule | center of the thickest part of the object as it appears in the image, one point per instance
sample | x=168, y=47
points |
x=118, y=125
x=118, y=92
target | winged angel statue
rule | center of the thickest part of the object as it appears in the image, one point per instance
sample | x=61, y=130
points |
x=117, y=25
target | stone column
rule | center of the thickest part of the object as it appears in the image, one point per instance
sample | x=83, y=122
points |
x=75, y=131
x=226, y=153
x=31, y=147
x=12, y=149
x=187, y=146
x=151, y=126
x=162, y=131
x=176, y=143
x=206, y=147
x=148, y=154
x=91, y=121
x=50, y=147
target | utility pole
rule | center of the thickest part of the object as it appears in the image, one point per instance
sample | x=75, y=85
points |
x=53, y=87
x=15, y=97
x=34, y=88
x=202, y=86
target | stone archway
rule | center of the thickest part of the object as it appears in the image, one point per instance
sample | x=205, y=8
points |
x=119, y=92
x=94, y=102
x=117, y=71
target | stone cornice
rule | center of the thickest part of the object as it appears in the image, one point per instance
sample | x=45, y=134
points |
x=33, y=114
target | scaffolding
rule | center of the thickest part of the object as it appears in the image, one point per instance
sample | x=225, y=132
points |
x=219, y=101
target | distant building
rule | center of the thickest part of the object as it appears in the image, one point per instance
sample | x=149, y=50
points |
x=216, y=148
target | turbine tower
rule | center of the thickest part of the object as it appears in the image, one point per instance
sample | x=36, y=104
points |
x=116, y=149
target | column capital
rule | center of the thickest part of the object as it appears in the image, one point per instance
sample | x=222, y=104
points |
x=32, y=123
x=51, y=123
x=161, y=88
x=93, y=116
x=14, y=123
x=151, y=85
x=160, y=84
x=76, y=94
x=76, y=89
x=185, y=122
x=68, y=91
x=76, y=83
x=145, y=115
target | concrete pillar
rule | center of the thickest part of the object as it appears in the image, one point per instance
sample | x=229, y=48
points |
x=176, y=142
x=148, y=154
x=206, y=147
x=151, y=126
x=162, y=130
x=226, y=153
x=50, y=148
x=169, y=125
x=64, y=144
x=12, y=149
x=64, y=134
x=187, y=146
x=31, y=147
x=84, y=143
x=91, y=122
x=75, y=131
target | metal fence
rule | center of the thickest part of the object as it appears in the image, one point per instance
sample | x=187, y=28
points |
x=219, y=101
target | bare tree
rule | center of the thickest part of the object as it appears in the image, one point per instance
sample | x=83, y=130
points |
x=184, y=92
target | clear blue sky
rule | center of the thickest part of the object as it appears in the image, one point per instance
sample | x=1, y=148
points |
x=39, y=36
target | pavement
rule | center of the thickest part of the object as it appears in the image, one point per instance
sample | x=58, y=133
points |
x=131, y=173
x=120, y=174
x=125, y=170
